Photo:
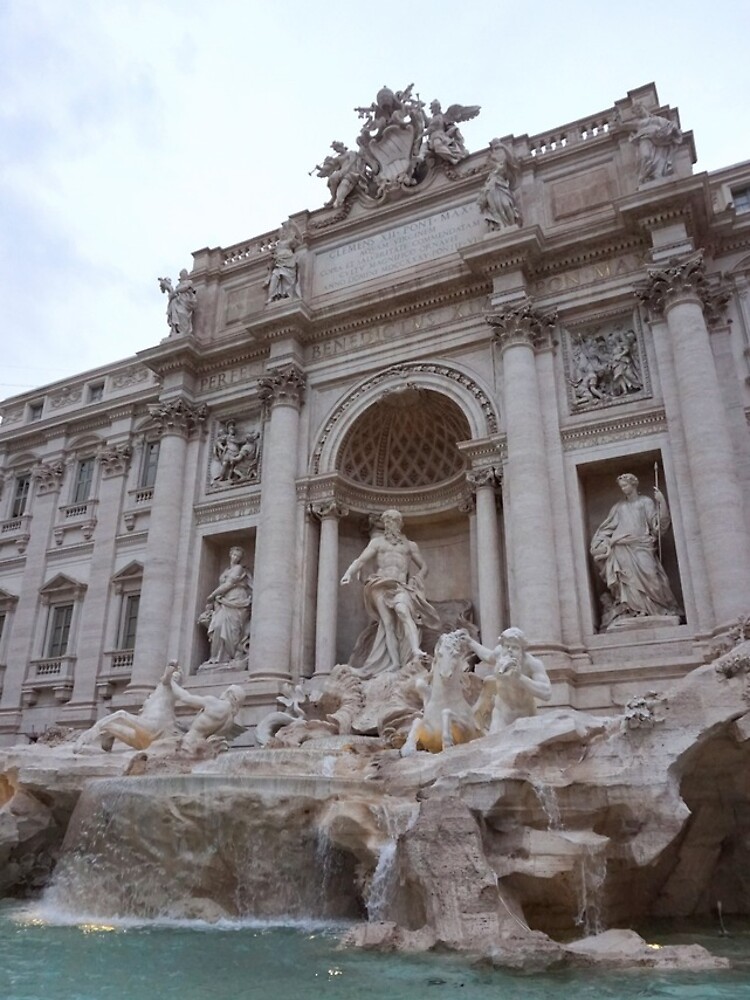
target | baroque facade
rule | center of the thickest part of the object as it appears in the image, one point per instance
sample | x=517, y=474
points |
x=484, y=341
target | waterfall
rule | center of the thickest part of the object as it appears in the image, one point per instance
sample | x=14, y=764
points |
x=592, y=874
x=548, y=800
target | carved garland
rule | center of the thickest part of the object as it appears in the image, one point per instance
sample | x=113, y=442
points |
x=404, y=370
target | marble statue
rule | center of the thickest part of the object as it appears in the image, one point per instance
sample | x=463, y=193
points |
x=236, y=455
x=447, y=718
x=283, y=281
x=155, y=719
x=341, y=171
x=497, y=203
x=624, y=550
x=443, y=137
x=393, y=596
x=181, y=304
x=657, y=139
x=515, y=681
x=227, y=613
x=216, y=715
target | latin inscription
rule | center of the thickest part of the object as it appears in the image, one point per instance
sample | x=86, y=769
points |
x=397, y=249
x=385, y=333
x=220, y=380
x=588, y=275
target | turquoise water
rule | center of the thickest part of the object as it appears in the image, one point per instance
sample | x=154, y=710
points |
x=39, y=961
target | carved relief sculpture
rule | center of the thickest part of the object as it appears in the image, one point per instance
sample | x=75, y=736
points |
x=235, y=455
x=606, y=366
x=657, y=139
x=624, y=550
x=497, y=202
x=227, y=614
x=181, y=304
x=394, y=597
x=283, y=281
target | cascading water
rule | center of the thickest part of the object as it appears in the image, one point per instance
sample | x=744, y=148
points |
x=204, y=846
x=548, y=801
x=592, y=874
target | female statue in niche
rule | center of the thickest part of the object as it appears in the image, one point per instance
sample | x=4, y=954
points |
x=227, y=613
x=624, y=550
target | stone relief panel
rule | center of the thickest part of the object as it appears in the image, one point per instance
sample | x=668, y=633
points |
x=235, y=453
x=605, y=364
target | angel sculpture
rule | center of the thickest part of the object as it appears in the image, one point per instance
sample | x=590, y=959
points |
x=444, y=139
x=342, y=172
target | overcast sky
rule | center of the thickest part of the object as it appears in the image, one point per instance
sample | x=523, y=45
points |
x=133, y=132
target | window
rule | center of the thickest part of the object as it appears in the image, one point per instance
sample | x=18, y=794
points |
x=35, y=411
x=150, y=461
x=129, y=621
x=84, y=478
x=95, y=392
x=21, y=495
x=741, y=199
x=59, y=632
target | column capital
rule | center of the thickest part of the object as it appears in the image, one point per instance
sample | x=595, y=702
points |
x=522, y=323
x=325, y=509
x=283, y=386
x=115, y=459
x=680, y=277
x=485, y=476
x=48, y=476
x=177, y=416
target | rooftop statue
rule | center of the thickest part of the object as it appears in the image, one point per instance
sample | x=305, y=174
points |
x=283, y=280
x=444, y=139
x=397, y=146
x=394, y=597
x=497, y=202
x=657, y=138
x=180, y=304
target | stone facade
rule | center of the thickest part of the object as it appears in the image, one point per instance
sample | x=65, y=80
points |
x=485, y=343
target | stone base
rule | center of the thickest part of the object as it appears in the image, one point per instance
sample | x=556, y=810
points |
x=643, y=621
x=234, y=665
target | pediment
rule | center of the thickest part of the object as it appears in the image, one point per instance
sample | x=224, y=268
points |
x=61, y=586
x=7, y=600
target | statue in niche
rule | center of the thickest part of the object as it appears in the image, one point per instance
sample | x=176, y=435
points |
x=283, y=280
x=394, y=597
x=513, y=683
x=236, y=455
x=227, y=613
x=606, y=367
x=342, y=172
x=442, y=134
x=624, y=550
x=497, y=203
x=180, y=304
x=657, y=139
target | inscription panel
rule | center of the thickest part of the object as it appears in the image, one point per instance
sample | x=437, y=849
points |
x=397, y=249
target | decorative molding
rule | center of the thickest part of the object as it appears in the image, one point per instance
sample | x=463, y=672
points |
x=486, y=476
x=227, y=510
x=177, y=416
x=284, y=386
x=604, y=431
x=65, y=396
x=523, y=324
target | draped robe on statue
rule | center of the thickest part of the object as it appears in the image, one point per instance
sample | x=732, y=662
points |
x=411, y=594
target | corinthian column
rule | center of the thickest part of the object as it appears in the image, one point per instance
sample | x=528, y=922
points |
x=326, y=615
x=681, y=293
x=535, y=607
x=484, y=482
x=282, y=392
x=176, y=421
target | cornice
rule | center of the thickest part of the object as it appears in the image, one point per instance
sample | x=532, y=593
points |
x=247, y=505
x=604, y=430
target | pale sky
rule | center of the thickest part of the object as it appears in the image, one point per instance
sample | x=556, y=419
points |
x=133, y=132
